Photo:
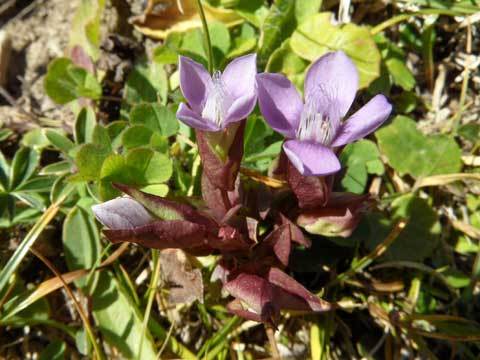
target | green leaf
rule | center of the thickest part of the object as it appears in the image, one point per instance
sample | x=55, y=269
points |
x=419, y=238
x=156, y=189
x=254, y=11
x=37, y=184
x=155, y=117
x=81, y=241
x=84, y=125
x=360, y=159
x=54, y=351
x=119, y=320
x=136, y=136
x=284, y=60
x=23, y=166
x=410, y=152
x=65, y=82
x=4, y=173
x=167, y=53
x=101, y=138
x=147, y=82
x=85, y=29
x=470, y=132
x=221, y=41
x=89, y=160
x=5, y=134
x=456, y=278
x=115, y=169
x=305, y=9
x=35, y=139
x=395, y=63
x=59, y=140
x=57, y=168
x=446, y=327
x=317, y=36
x=115, y=131
x=152, y=167
x=277, y=26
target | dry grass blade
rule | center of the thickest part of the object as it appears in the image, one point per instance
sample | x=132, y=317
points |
x=377, y=252
x=440, y=180
x=88, y=328
x=467, y=229
x=55, y=283
x=258, y=177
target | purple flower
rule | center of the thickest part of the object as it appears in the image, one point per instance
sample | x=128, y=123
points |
x=315, y=127
x=219, y=100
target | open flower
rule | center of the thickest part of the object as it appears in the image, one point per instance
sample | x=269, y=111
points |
x=219, y=100
x=315, y=127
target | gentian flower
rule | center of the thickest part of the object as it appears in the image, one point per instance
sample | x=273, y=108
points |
x=315, y=128
x=216, y=101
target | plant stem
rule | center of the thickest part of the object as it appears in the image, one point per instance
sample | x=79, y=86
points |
x=151, y=295
x=273, y=343
x=207, y=36
x=403, y=17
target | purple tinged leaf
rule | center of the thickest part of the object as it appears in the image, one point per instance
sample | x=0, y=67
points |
x=236, y=308
x=254, y=291
x=279, y=278
x=163, y=208
x=339, y=217
x=222, y=168
x=174, y=234
x=216, y=200
x=281, y=242
x=311, y=191
x=122, y=213
x=229, y=239
x=295, y=232
x=81, y=59
x=252, y=227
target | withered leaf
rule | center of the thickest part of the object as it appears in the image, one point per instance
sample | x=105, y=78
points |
x=183, y=281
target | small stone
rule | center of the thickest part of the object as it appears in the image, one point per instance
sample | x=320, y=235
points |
x=5, y=51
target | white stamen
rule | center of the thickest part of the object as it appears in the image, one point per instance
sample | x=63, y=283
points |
x=315, y=123
x=218, y=100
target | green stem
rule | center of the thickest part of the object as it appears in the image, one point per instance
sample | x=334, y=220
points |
x=207, y=36
x=403, y=17
x=151, y=294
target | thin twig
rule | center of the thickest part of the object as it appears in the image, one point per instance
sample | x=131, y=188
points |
x=273, y=343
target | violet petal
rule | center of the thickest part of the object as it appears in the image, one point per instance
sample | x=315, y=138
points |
x=333, y=74
x=194, y=82
x=364, y=121
x=280, y=103
x=194, y=120
x=311, y=159
x=239, y=77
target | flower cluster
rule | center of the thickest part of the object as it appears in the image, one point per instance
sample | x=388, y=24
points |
x=252, y=264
